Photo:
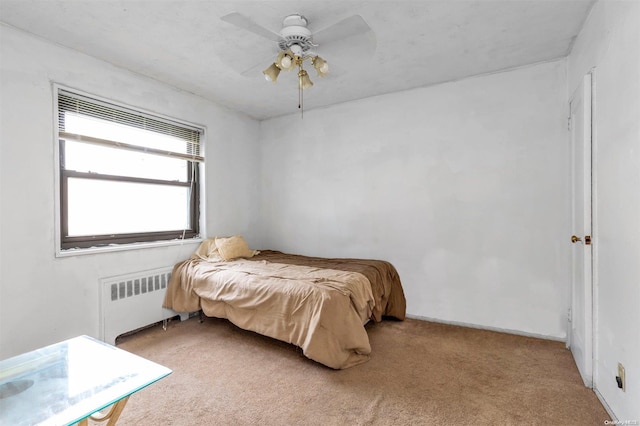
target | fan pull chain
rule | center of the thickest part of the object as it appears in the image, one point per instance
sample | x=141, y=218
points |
x=301, y=103
x=300, y=96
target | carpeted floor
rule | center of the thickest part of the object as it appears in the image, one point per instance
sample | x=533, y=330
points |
x=420, y=373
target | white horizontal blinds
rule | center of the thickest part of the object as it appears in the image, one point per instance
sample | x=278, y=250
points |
x=92, y=121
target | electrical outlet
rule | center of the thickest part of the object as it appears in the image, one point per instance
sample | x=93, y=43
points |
x=620, y=378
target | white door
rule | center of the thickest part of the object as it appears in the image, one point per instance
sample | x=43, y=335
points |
x=581, y=324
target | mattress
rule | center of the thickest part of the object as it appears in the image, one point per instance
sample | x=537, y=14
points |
x=318, y=304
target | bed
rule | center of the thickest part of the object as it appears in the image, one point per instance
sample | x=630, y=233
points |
x=318, y=304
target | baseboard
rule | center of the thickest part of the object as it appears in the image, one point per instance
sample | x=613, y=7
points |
x=605, y=405
x=484, y=327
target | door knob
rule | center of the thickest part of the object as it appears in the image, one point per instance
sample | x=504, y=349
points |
x=575, y=239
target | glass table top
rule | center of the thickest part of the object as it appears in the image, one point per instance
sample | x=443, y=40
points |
x=63, y=383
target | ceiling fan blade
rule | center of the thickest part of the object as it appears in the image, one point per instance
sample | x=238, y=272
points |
x=346, y=28
x=245, y=23
x=256, y=69
x=346, y=57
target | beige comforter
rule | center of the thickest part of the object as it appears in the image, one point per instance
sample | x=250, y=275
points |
x=321, y=310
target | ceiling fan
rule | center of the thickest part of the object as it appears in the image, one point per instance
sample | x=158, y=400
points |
x=349, y=40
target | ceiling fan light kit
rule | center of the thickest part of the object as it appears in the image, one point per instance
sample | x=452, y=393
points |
x=296, y=45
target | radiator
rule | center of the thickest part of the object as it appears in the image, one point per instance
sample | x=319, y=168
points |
x=132, y=301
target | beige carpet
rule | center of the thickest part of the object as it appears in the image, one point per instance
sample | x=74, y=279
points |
x=420, y=373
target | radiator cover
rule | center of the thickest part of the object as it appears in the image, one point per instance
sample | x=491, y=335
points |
x=132, y=301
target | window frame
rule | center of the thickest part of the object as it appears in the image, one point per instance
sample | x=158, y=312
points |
x=99, y=242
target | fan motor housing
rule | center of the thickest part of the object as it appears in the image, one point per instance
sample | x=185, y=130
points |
x=295, y=31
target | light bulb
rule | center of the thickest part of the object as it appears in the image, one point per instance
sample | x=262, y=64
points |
x=285, y=62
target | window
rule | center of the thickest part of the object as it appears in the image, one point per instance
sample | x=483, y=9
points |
x=125, y=176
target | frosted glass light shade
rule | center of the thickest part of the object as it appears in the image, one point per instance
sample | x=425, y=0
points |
x=304, y=81
x=320, y=65
x=271, y=73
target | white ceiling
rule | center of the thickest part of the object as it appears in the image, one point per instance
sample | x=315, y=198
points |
x=419, y=43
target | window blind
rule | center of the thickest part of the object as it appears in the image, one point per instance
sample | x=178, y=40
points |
x=178, y=140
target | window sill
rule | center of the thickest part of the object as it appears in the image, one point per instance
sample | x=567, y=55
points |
x=124, y=247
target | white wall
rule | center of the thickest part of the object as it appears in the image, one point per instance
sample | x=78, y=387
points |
x=44, y=299
x=610, y=42
x=462, y=186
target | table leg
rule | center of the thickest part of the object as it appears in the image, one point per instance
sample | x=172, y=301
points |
x=110, y=417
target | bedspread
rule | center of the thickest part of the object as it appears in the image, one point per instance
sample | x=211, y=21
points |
x=320, y=305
